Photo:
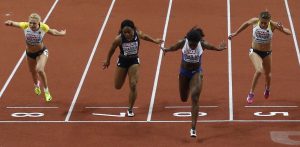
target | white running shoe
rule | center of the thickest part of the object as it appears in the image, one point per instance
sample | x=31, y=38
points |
x=193, y=133
x=130, y=113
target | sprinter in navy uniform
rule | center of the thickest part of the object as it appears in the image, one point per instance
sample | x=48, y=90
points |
x=128, y=41
x=190, y=75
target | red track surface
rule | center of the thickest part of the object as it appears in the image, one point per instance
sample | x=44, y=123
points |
x=69, y=56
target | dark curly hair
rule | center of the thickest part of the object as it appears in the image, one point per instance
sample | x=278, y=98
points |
x=195, y=34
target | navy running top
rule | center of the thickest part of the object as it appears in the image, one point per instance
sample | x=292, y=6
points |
x=130, y=48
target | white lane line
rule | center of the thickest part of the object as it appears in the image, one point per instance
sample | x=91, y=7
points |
x=229, y=63
x=171, y=107
x=89, y=62
x=23, y=55
x=293, y=30
x=31, y=107
x=109, y=107
x=188, y=121
x=271, y=106
x=122, y=114
x=159, y=64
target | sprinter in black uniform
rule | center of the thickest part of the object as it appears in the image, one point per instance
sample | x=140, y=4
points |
x=128, y=41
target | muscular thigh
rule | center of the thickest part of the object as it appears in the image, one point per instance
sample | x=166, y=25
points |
x=31, y=64
x=120, y=76
x=196, y=82
x=184, y=86
x=41, y=61
x=133, y=73
x=256, y=61
x=267, y=64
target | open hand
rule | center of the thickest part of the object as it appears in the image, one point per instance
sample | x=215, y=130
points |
x=231, y=36
x=105, y=64
x=158, y=41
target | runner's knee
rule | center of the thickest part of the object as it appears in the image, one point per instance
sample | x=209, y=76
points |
x=268, y=75
x=39, y=70
x=133, y=84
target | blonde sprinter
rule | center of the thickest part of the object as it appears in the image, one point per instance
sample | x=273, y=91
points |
x=36, y=51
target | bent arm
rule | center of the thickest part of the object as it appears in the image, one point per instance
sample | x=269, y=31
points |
x=112, y=50
x=280, y=27
x=175, y=47
x=244, y=26
x=149, y=38
x=55, y=32
x=208, y=46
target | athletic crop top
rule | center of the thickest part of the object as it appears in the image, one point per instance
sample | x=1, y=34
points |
x=130, y=48
x=191, y=55
x=262, y=35
x=34, y=37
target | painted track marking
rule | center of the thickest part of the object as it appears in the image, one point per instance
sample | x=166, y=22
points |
x=109, y=107
x=89, y=61
x=271, y=106
x=31, y=107
x=159, y=64
x=171, y=107
x=293, y=30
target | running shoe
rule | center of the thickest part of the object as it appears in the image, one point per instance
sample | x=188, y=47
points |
x=267, y=93
x=250, y=98
x=37, y=88
x=193, y=133
x=48, y=96
x=130, y=113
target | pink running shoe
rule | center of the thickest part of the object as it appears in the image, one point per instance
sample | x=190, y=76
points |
x=267, y=93
x=250, y=98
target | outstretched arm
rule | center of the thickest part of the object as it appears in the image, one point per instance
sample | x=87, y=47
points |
x=55, y=32
x=12, y=23
x=113, y=47
x=174, y=47
x=208, y=46
x=280, y=27
x=243, y=27
x=149, y=38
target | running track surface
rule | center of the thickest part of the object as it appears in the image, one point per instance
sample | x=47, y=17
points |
x=83, y=92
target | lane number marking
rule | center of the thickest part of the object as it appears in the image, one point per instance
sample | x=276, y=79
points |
x=188, y=114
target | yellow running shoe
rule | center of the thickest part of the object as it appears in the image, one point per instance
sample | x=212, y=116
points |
x=48, y=97
x=37, y=88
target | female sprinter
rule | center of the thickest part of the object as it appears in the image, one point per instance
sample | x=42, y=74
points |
x=37, y=53
x=128, y=41
x=190, y=76
x=260, y=52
